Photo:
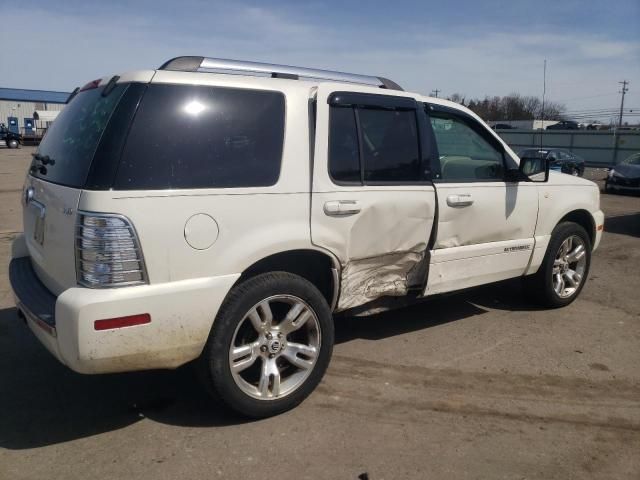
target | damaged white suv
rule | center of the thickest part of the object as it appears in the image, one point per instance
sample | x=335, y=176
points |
x=221, y=211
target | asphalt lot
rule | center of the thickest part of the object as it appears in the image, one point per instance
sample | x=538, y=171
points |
x=479, y=384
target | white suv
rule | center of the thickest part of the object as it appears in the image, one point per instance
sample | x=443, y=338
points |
x=221, y=211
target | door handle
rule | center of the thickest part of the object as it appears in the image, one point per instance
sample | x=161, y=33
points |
x=460, y=200
x=339, y=208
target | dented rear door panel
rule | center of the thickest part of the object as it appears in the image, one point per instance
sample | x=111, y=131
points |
x=379, y=233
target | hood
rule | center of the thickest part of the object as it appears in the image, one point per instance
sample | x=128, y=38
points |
x=629, y=171
x=557, y=178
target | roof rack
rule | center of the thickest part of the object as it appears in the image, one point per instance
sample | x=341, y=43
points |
x=198, y=64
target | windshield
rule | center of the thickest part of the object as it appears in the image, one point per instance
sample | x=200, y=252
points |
x=66, y=151
x=632, y=160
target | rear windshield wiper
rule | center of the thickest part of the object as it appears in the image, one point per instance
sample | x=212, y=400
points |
x=44, y=159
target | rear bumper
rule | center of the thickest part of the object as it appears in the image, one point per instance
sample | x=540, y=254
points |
x=182, y=314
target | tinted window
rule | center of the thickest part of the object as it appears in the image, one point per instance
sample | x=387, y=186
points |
x=464, y=153
x=186, y=136
x=72, y=139
x=390, y=145
x=344, y=160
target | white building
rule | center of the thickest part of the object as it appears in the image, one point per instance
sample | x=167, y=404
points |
x=17, y=106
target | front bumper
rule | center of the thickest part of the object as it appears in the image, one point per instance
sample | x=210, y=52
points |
x=598, y=220
x=623, y=183
x=182, y=314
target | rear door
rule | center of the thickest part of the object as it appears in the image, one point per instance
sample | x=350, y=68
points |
x=486, y=224
x=373, y=203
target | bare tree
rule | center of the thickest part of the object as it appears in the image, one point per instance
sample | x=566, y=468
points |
x=513, y=107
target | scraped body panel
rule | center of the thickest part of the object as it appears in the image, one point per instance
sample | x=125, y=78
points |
x=382, y=248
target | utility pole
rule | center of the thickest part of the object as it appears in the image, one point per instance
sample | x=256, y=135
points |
x=544, y=93
x=544, y=88
x=435, y=92
x=624, y=84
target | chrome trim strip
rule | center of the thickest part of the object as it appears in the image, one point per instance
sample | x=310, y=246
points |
x=35, y=319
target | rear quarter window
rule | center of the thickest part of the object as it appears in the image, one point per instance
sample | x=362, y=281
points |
x=186, y=136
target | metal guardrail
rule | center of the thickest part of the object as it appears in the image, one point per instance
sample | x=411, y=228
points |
x=599, y=149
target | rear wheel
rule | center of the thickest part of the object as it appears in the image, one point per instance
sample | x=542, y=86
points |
x=13, y=143
x=270, y=345
x=564, y=269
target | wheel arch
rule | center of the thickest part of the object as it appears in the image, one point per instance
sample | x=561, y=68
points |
x=584, y=219
x=319, y=267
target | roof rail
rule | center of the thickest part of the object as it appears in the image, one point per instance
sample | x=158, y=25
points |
x=197, y=64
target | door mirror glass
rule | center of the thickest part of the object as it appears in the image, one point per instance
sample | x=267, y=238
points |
x=534, y=168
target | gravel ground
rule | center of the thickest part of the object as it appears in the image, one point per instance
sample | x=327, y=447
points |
x=477, y=384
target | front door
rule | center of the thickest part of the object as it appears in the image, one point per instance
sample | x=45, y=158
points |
x=373, y=203
x=485, y=224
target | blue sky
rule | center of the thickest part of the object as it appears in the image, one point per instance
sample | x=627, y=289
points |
x=475, y=48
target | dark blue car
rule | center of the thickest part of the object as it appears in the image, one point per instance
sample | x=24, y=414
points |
x=625, y=175
x=559, y=159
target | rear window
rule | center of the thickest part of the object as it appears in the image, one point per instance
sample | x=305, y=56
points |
x=186, y=136
x=72, y=139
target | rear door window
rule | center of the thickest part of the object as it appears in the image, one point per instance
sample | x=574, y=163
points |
x=390, y=145
x=344, y=157
x=186, y=136
x=374, y=144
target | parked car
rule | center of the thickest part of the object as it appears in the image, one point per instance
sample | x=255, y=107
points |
x=560, y=160
x=564, y=125
x=502, y=126
x=625, y=175
x=9, y=138
x=284, y=199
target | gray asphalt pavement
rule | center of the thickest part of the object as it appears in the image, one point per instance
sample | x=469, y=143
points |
x=478, y=384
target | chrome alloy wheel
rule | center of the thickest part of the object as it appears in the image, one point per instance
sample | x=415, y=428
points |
x=569, y=266
x=275, y=347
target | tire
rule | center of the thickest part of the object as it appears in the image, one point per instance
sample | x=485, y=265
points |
x=13, y=143
x=543, y=287
x=246, y=352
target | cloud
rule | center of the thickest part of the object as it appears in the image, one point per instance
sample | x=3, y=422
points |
x=69, y=45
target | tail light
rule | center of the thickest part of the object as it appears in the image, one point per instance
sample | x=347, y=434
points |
x=108, y=252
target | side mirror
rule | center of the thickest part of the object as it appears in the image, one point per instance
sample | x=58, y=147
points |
x=534, y=169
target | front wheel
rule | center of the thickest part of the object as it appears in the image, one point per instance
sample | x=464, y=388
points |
x=564, y=269
x=13, y=143
x=270, y=345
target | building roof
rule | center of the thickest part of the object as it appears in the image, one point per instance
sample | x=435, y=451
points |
x=23, y=95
